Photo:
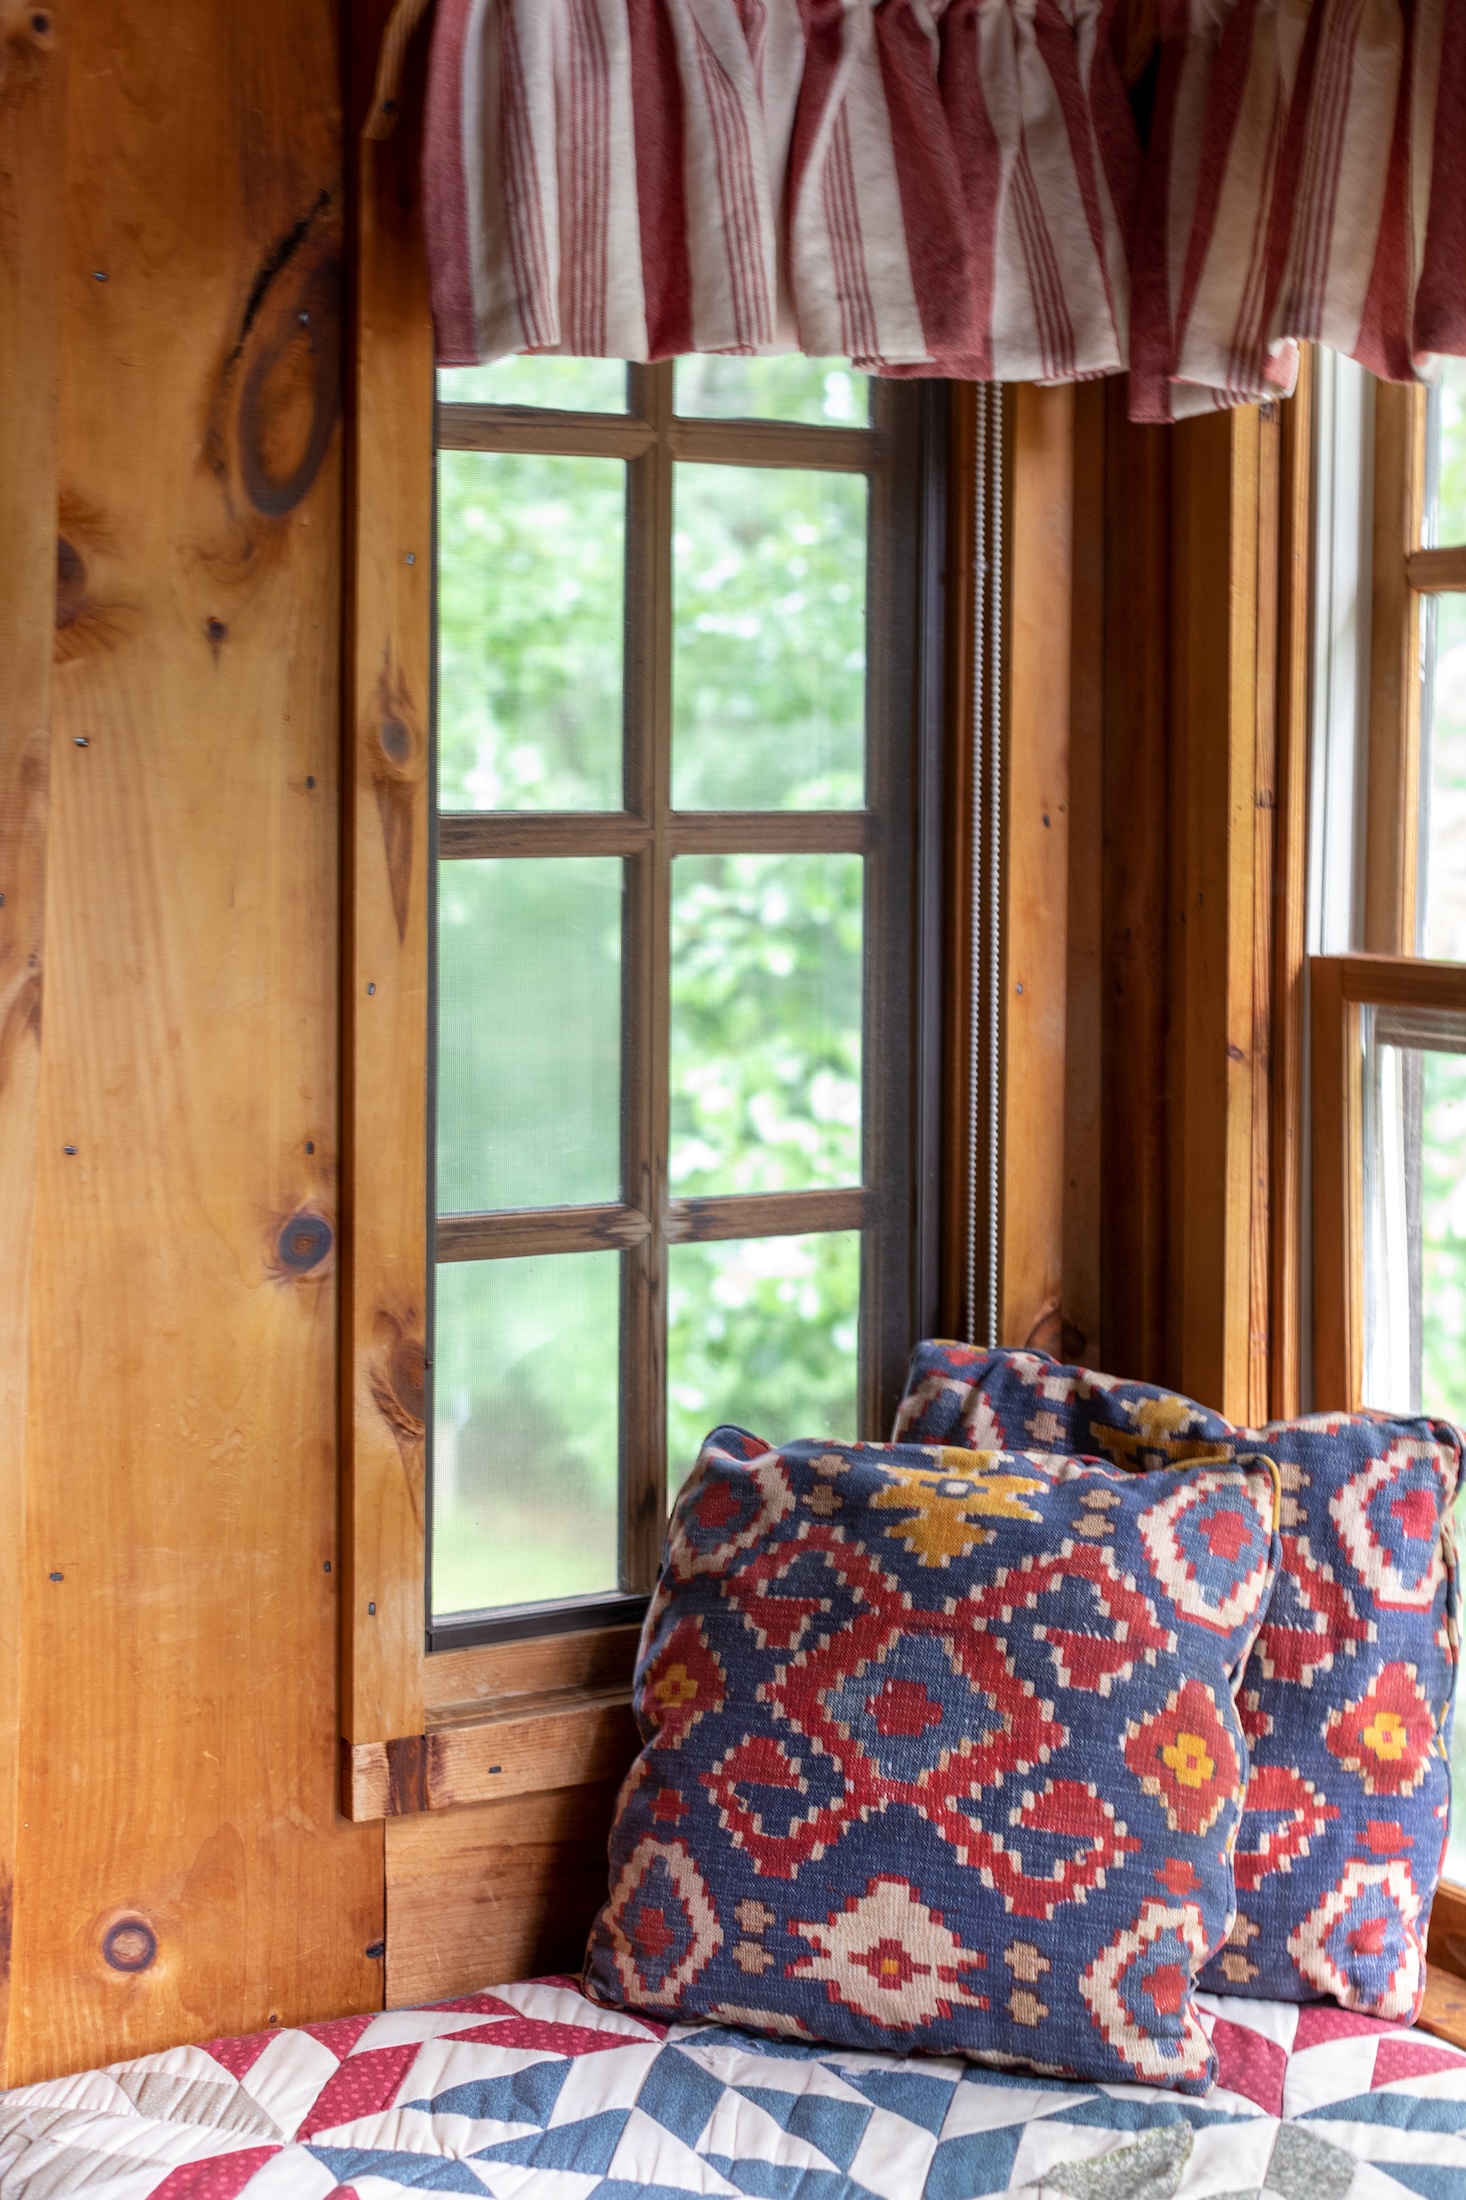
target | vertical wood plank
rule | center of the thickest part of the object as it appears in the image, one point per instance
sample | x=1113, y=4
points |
x=1264, y=797
x=1084, y=978
x=1036, y=882
x=1391, y=854
x=1290, y=896
x=388, y=799
x=1213, y=835
x=178, y=1737
x=959, y=1037
x=1137, y=858
x=494, y=1891
x=32, y=193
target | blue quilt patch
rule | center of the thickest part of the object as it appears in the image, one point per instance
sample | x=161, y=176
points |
x=1347, y=1697
x=941, y=1754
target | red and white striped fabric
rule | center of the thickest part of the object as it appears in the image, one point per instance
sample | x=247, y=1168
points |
x=1305, y=178
x=952, y=186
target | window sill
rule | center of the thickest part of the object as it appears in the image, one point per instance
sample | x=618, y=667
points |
x=504, y=1719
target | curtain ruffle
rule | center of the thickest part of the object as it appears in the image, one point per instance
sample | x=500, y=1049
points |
x=953, y=187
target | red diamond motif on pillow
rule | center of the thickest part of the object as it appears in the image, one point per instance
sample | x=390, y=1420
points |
x=683, y=1684
x=1386, y=1735
x=1184, y=1757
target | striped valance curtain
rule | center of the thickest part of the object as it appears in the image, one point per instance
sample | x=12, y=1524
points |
x=954, y=187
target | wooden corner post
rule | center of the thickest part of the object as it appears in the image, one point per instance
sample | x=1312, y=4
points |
x=1036, y=821
x=1224, y=583
x=388, y=798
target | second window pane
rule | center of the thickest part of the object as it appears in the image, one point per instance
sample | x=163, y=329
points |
x=526, y=1430
x=1445, y=715
x=766, y=1042
x=531, y=611
x=768, y=675
x=529, y=1033
x=763, y=1332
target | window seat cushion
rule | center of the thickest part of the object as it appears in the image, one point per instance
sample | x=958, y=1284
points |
x=530, y=2092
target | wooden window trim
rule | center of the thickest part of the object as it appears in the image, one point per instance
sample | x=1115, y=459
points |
x=1394, y=671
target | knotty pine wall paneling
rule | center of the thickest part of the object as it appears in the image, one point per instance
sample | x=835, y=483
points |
x=1082, y=1302
x=1036, y=826
x=182, y=1868
x=32, y=150
x=1223, y=669
x=1136, y=778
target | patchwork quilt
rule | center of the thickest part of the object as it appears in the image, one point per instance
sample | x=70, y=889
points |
x=530, y=2092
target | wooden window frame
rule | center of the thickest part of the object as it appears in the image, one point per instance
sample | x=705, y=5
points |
x=1341, y=987
x=647, y=836
x=423, y=1726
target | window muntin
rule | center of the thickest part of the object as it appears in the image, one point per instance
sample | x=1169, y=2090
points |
x=677, y=760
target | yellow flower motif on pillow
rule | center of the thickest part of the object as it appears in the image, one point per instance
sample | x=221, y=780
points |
x=949, y=1503
x=1189, y=1760
x=1156, y=1440
x=675, y=1688
x=1386, y=1736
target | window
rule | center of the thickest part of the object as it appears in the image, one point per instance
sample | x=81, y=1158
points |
x=680, y=1057
x=1389, y=1026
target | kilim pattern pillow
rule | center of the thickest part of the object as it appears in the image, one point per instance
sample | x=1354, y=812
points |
x=1347, y=1697
x=940, y=1754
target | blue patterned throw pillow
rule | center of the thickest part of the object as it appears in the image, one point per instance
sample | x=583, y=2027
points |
x=940, y=1754
x=1347, y=1697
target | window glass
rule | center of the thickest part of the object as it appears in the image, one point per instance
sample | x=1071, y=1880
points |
x=769, y=639
x=818, y=392
x=569, y=385
x=1445, y=507
x=1415, y=1245
x=766, y=1041
x=531, y=617
x=1443, y=742
x=762, y=1332
x=529, y=1033
x=526, y=1430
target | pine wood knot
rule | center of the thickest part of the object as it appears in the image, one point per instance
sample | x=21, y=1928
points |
x=304, y=1242
x=130, y=1944
x=71, y=583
